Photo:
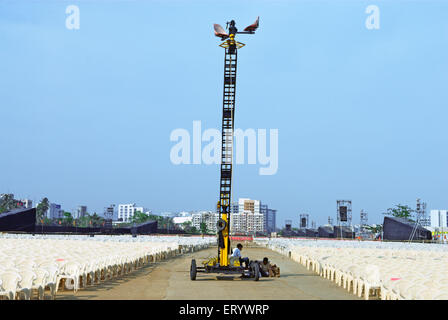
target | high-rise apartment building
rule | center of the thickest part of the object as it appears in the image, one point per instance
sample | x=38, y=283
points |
x=208, y=217
x=270, y=220
x=250, y=216
x=126, y=211
x=55, y=211
x=439, y=218
x=81, y=211
x=246, y=217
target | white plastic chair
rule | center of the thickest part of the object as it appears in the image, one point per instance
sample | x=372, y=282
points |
x=9, y=283
x=369, y=280
x=52, y=279
x=40, y=282
x=70, y=271
x=25, y=285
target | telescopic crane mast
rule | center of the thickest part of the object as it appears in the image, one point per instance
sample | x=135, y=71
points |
x=231, y=47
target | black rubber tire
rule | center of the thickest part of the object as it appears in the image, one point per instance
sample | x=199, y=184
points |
x=221, y=225
x=193, y=271
x=256, y=271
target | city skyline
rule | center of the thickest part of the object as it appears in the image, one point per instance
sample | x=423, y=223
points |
x=279, y=224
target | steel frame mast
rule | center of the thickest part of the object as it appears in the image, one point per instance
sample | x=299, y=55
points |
x=231, y=47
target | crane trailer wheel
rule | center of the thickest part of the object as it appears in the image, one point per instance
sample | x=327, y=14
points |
x=193, y=270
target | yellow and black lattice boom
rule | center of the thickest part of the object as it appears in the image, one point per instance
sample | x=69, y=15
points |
x=231, y=47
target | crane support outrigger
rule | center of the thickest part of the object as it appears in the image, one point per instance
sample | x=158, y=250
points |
x=222, y=263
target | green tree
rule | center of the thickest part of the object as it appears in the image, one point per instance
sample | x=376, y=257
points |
x=193, y=230
x=374, y=229
x=96, y=220
x=67, y=219
x=47, y=221
x=186, y=225
x=140, y=217
x=400, y=211
x=42, y=209
x=203, y=227
x=7, y=203
x=83, y=222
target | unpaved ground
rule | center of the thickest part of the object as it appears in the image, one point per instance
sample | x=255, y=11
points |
x=170, y=279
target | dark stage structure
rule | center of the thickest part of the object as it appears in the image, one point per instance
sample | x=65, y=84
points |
x=401, y=229
x=24, y=221
x=325, y=232
x=19, y=220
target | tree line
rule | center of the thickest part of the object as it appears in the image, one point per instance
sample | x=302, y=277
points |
x=66, y=219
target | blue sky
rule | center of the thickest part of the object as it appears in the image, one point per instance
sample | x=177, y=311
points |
x=86, y=114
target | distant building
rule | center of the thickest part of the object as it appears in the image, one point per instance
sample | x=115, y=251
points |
x=264, y=211
x=208, y=217
x=439, y=218
x=271, y=217
x=168, y=214
x=250, y=216
x=126, y=211
x=182, y=220
x=288, y=225
x=55, y=211
x=247, y=222
x=184, y=214
x=27, y=204
x=109, y=212
x=81, y=211
x=142, y=210
x=247, y=217
x=234, y=208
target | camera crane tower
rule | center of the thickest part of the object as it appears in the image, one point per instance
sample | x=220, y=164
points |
x=231, y=47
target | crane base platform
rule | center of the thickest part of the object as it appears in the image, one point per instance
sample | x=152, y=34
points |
x=253, y=271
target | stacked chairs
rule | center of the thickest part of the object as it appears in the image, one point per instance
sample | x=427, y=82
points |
x=30, y=264
x=388, y=270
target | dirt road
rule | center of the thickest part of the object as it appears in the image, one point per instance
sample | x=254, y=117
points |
x=170, y=279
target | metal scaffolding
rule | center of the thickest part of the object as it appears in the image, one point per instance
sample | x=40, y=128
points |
x=304, y=220
x=344, y=212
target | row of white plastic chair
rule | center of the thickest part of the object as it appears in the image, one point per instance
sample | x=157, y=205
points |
x=180, y=239
x=390, y=270
x=355, y=244
x=32, y=263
